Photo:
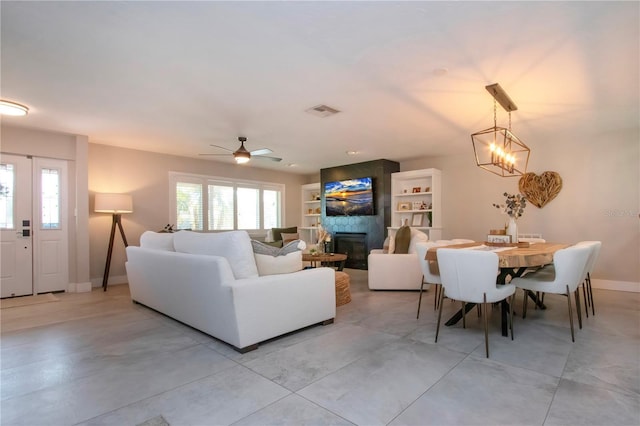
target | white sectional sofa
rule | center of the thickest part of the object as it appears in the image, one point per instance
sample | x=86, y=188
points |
x=211, y=282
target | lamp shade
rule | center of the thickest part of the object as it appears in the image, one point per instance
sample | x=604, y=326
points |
x=113, y=203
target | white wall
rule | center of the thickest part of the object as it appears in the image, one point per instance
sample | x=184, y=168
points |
x=146, y=176
x=600, y=198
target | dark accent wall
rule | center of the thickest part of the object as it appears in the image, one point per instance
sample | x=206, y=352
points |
x=374, y=226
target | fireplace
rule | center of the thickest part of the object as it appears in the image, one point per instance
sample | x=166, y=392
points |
x=354, y=244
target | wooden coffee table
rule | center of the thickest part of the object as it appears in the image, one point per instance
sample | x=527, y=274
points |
x=325, y=258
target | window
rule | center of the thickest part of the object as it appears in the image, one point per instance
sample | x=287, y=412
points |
x=7, y=177
x=188, y=211
x=50, y=198
x=230, y=204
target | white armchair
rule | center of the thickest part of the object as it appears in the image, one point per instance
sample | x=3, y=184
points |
x=392, y=271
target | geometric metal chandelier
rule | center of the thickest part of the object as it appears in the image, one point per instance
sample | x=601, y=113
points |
x=497, y=149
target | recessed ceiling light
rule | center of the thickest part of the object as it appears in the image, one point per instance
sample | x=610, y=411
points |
x=292, y=165
x=440, y=71
x=352, y=152
x=12, y=108
x=322, y=111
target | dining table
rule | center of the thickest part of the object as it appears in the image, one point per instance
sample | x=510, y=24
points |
x=513, y=261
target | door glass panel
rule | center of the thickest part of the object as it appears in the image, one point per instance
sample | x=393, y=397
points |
x=50, y=198
x=7, y=179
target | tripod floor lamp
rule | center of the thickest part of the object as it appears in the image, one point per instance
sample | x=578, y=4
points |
x=116, y=204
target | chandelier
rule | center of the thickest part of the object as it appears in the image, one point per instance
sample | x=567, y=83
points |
x=497, y=149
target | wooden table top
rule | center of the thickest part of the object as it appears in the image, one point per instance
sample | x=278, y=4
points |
x=323, y=257
x=537, y=254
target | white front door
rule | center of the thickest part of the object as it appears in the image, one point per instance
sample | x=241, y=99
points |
x=34, y=226
x=16, y=240
x=50, y=224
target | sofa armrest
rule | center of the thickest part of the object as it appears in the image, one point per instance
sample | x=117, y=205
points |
x=394, y=271
x=194, y=289
x=276, y=304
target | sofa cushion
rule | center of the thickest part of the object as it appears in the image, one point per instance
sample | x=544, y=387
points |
x=402, y=239
x=235, y=246
x=157, y=240
x=277, y=232
x=416, y=237
x=287, y=238
x=271, y=260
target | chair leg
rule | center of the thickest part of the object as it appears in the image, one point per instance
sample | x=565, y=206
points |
x=436, y=298
x=593, y=306
x=570, y=314
x=585, y=294
x=578, y=308
x=486, y=325
x=524, y=304
x=439, y=313
x=420, y=298
x=464, y=322
x=511, y=309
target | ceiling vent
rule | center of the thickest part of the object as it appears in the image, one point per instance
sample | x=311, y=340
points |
x=322, y=111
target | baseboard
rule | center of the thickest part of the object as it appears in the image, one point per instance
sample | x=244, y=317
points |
x=79, y=287
x=116, y=279
x=628, y=286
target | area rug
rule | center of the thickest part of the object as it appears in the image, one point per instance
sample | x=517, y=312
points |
x=15, y=302
x=155, y=421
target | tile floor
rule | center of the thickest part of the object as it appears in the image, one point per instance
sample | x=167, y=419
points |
x=98, y=359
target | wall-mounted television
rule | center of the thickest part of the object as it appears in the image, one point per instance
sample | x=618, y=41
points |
x=350, y=197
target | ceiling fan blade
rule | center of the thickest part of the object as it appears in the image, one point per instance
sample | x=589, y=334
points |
x=267, y=158
x=262, y=151
x=221, y=147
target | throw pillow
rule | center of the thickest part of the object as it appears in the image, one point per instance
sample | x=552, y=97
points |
x=403, y=238
x=272, y=260
x=269, y=237
x=157, y=241
x=287, y=238
x=235, y=246
x=277, y=232
x=392, y=242
x=416, y=237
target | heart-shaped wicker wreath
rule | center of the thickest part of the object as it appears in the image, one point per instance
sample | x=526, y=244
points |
x=539, y=190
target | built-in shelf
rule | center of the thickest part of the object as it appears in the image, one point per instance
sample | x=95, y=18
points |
x=416, y=199
x=311, y=213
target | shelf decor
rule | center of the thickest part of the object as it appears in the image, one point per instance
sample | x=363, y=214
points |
x=514, y=207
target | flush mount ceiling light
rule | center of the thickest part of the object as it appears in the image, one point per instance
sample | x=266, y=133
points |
x=497, y=149
x=12, y=108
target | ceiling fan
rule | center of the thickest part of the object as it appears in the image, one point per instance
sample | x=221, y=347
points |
x=242, y=155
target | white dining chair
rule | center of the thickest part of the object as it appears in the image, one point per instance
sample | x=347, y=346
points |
x=470, y=277
x=587, y=290
x=569, y=266
x=430, y=272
